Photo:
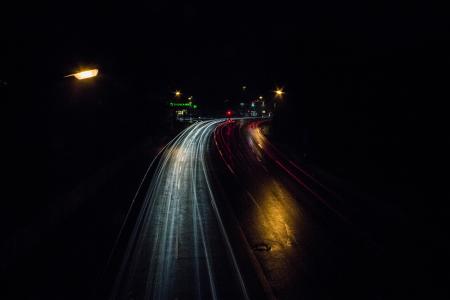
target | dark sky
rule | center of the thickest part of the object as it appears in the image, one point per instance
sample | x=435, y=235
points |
x=209, y=48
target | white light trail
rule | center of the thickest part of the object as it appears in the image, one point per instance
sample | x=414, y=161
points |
x=179, y=236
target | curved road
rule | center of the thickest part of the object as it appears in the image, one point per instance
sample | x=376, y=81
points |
x=304, y=244
x=179, y=248
x=222, y=189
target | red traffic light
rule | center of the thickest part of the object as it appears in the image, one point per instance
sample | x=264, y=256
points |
x=229, y=113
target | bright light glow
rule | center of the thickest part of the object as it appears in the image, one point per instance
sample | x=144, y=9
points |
x=177, y=93
x=279, y=92
x=84, y=74
x=260, y=97
x=181, y=220
x=181, y=112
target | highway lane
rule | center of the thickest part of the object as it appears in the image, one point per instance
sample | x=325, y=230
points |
x=179, y=248
x=305, y=246
x=184, y=245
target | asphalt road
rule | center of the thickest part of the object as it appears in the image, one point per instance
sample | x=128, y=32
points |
x=179, y=248
x=228, y=216
x=304, y=243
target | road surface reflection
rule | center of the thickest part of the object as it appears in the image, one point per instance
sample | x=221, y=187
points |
x=179, y=248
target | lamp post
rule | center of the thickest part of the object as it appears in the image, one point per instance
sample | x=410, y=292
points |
x=279, y=93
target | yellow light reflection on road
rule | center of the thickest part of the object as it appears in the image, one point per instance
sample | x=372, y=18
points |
x=255, y=137
x=276, y=216
x=258, y=137
x=276, y=230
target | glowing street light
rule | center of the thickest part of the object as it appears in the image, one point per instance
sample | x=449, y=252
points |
x=279, y=93
x=177, y=93
x=84, y=74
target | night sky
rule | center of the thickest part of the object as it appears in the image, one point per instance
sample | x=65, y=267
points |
x=210, y=48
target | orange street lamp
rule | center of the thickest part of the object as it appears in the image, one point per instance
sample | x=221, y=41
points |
x=84, y=74
x=279, y=93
